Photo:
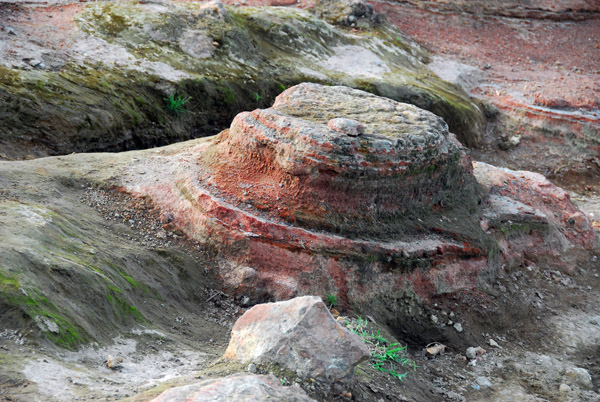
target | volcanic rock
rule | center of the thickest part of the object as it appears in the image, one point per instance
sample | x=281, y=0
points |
x=387, y=220
x=239, y=388
x=300, y=335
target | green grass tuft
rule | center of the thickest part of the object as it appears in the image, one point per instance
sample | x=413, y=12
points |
x=331, y=300
x=386, y=356
x=175, y=104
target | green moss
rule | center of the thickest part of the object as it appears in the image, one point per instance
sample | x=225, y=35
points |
x=68, y=336
x=34, y=304
x=9, y=76
x=115, y=289
x=8, y=283
x=129, y=279
x=513, y=230
x=228, y=94
x=123, y=308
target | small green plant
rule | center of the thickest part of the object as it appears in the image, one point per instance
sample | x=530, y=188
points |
x=331, y=300
x=257, y=96
x=391, y=357
x=281, y=87
x=176, y=104
x=386, y=356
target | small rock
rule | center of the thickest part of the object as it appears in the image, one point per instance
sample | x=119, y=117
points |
x=349, y=127
x=436, y=349
x=434, y=319
x=483, y=382
x=252, y=368
x=473, y=352
x=514, y=140
x=10, y=31
x=595, y=320
x=580, y=376
x=458, y=327
x=564, y=388
x=493, y=343
x=486, y=66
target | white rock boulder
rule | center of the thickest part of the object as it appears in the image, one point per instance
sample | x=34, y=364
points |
x=299, y=335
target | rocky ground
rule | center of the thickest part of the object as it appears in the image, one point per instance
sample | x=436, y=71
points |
x=106, y=293
x=540, y=69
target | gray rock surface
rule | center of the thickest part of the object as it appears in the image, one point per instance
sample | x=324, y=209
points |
x=580, y=376
x=238, y=388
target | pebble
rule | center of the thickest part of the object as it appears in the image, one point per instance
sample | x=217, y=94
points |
x=483, y=382
x=349, y=127
x=458, y=327
x=564, y=388
x=493, y=343
x=473, y=352
x=434, y=319
x=10, y=31
x=595, y=320
x=252, y=368
x=580, y=376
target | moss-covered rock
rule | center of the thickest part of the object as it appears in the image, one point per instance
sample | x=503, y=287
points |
x=68, y=276
x=111, y=93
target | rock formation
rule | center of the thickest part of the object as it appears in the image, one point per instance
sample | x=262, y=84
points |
x=332, y=191
x=535, y=9
x=531, y=60
x=336, y=191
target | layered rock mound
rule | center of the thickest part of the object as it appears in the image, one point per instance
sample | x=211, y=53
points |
x=342, y=160
x=330, y=192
